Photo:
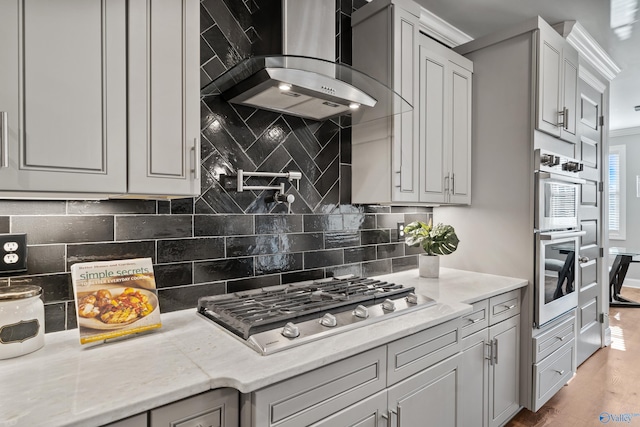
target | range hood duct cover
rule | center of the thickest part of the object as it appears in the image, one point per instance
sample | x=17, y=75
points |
x=303, y=34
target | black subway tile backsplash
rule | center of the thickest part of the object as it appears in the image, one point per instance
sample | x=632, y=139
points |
x=278, y=263
x=323, y=258
x=252, y=283
x=171, y=275
x=4, y=224
x=141, y=227
x=46, y=259
x=225, y=240
x=342, y=239
x=64, y=229
x=266, y=224
x=32, y=207
x=253, y=245
x=371, y=237
x=184, y=297
x=55, y=317
x=176, y=250
x=231, y=268
x=91, y=252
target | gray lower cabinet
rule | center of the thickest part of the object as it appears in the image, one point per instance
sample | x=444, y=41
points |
x=63, y=96
x=215, y=408
x=491, y=362
x=370, y=412
x=428, y=398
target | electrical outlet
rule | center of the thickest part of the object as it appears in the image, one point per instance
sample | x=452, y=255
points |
x=13, y=253
x=400, y=229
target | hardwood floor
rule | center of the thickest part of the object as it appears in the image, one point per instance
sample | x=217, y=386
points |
x=609, y=381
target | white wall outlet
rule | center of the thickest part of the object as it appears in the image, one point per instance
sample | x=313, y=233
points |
x=10, y=246
x=11, y=258
x=13, y=253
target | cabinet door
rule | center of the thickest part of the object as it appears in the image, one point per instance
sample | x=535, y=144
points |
x=430, y=397
x=405, y=81
x=164, y=110
x=63, y=86
x=215, y=408
x=370, y=412
x=549, y=80
x=460, y=128
x=433, y=109
x=474, y=380
x=504, y=371
x=569, y=106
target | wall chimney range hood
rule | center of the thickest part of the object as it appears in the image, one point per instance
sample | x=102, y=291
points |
x=296, y=74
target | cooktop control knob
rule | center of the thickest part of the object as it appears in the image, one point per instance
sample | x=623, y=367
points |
x=290, y=330
x=549, y=160
x=412, y=298
x=328, y=320
x=361, y=311
x=388, y=305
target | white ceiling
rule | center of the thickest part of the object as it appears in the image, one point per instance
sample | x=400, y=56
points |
x=480, y=17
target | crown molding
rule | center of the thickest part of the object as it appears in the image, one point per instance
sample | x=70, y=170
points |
x=624, y=132
x=592, y=80
x=436, y=27
x=588, y=48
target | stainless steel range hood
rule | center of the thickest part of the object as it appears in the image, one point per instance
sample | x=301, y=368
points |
x=303, y=80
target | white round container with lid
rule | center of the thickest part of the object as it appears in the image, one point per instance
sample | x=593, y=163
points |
x=21, y=320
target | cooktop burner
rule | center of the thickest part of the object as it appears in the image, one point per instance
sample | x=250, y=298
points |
x=274, y=318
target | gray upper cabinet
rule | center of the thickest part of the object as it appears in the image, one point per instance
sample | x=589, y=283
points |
x=63, y=88
x=557, y=86
x=445, y=124
x=163, y=97
x=385, y=156
x=80, y=117
x=422, y=156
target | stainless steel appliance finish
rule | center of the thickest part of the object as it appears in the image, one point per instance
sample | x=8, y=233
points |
x=556, y=274
x=275, y=318
x=557, y=191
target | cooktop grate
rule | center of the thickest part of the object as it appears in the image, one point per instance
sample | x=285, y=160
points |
x=254, y=311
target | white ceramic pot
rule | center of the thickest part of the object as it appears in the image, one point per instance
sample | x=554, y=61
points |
x=429, y=265
x=21, y=320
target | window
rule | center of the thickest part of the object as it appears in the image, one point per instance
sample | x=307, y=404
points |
x=617, y=204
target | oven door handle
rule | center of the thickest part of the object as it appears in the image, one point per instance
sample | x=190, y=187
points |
x=559, y=177
x=553, y=235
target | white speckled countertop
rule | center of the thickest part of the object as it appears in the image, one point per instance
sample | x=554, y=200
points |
x=65, y=383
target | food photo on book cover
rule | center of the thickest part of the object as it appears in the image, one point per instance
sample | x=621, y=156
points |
x=115, y=298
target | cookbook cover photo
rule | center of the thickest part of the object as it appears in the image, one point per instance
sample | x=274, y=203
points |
x=115, y=298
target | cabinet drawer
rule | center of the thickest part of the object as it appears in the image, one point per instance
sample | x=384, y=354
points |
x=313, y=396
x=503, y=306
x=416, y=352
x=554, y=338
x=553, y=372
x=476, y=320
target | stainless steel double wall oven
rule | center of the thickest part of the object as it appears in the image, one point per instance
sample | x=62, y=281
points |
x=557, y=192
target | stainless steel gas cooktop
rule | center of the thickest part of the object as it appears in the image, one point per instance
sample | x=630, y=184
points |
x=275, y=318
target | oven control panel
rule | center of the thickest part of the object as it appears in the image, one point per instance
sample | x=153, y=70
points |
x=546, y=161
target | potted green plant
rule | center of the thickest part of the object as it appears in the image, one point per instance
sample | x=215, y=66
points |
x=438, y=240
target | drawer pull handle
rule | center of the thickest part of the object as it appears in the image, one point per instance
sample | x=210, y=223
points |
x=509, y=307
x=560, y=372
x=561, y=338
x=475, y=320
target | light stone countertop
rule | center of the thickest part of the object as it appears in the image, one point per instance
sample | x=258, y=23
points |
x=65, y=383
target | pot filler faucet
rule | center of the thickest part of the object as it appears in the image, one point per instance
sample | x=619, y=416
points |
x=280, y=195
